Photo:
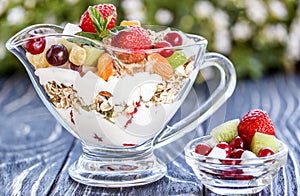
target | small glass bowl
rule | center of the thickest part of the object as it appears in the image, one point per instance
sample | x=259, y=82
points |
x=234, y=176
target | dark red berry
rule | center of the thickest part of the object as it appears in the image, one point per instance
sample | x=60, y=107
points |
x=75, y=67
x=235, y=174
x=235, y=157
x=57, y=55
x=238, y=142
x=265, y=152
x=225, y=146
x=164, y=44
x=35, y=45
x=203, y=149
x=236, y=153
x=173, y=38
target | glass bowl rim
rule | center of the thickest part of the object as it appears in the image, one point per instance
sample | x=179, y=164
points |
x=191, y=154
x=16, y=41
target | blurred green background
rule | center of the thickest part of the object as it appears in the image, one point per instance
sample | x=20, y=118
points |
x=259, y=36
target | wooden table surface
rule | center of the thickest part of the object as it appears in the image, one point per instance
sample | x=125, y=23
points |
x=35, y=151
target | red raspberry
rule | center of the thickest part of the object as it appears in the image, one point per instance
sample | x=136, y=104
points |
x=255, y=121
x=106, y=10
x=136, y=39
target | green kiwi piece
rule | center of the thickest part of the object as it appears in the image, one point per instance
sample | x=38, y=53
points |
x=226, y=131
x=261, y=140
x=92, y=55
x=177, y=59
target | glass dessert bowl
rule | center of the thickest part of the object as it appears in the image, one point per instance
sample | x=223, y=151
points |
x=117, y=101
x=248, y=174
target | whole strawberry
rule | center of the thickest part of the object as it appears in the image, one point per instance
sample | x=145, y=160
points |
x=255, y=121
x=108, y=12
x=135, y=39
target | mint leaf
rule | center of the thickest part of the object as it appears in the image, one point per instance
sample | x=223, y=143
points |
x=88, y=35
x=83, y=41
x=117, y=29
x=96, y=18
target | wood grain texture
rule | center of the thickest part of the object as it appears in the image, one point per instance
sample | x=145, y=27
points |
x=35, y=151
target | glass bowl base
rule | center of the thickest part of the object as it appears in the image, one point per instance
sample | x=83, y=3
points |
x=235, y=190
x=117, y=172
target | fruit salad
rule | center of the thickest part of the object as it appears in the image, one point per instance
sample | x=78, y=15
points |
x=251, y=137
x=113, y=84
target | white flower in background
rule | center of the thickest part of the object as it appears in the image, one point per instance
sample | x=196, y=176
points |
x=293, y=44
x=256, y=11
x=164, y=16
x=3, y=6
x=50, y=19
x=275, y=33
x=72, y=1
x=220, y=19
x=15, y=1
x=16, y=15
x=30, y=3
x=222, y=41
x=278, y=9
x=133, y=10
x=204, y=9
x=241, y=31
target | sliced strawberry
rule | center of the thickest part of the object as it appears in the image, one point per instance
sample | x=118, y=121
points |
x=106, y=10
x=255, y=121
x=135, y=39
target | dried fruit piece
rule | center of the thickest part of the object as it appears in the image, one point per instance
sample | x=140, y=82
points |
x=160, y=66
x=38, y=60
x=105, y=66
x=77, y=55
x=130, y=23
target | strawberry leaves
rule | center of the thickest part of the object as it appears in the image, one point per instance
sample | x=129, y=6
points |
x=99, y=23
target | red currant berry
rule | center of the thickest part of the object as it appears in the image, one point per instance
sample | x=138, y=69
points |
x=203, y=149
x=225, y=146
x=265, y=152
x=237, y=142
x=173, y=38
x=57, y=55
x=164, y=44
x=236, y=153
x=35, y=45
x=235, y=174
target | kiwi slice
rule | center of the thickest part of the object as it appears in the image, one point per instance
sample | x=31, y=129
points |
x=177, y=59
x=226, y=131
x=92, y=55
x=261, y=140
